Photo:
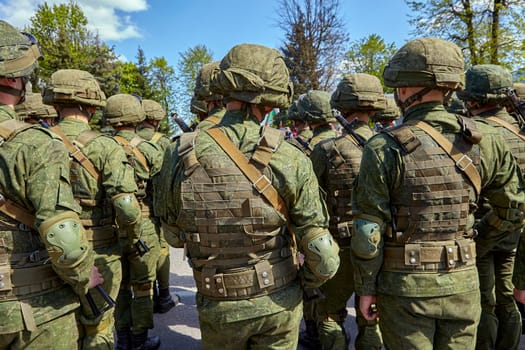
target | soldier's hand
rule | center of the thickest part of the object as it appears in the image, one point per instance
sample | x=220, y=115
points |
x=95, y=279
x=367, y=306
x=519, y=295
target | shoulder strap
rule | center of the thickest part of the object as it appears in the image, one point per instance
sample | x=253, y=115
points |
x=17, y=212
x=404, y=137
x=76, y=152
x=268, y=143
x=508, y=126
x=131, y=146
x=213, y=119
x=156, y=136
x=463, y=161
x=352, y=139
x=11, y=127
x=260, y=182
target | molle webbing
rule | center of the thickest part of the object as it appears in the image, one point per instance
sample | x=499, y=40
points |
x=434, y=201
x=101, y=236
x=430, y=256
x=20, y=283
x=131, y=148
x=344, y=157
x=516, y=142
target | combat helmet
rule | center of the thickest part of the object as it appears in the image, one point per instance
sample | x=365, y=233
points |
x=426, y=62
x=122, y=109
x=486, y=83
x=198, y=106
x=314, y=107
x=358, y=92
x=202, y=83
x=19, y=52
x=390, y=112
x=32, y=107
x=519, y=88
x=254, y=74
x=73, y=87
x=153, y=110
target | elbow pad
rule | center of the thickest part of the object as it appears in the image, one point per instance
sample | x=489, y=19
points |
x=127, y=209
x=321, y=254
x=65, y=240
x=366, y=238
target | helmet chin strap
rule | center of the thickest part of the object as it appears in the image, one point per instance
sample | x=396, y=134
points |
x=16, y=92
x=418, y=96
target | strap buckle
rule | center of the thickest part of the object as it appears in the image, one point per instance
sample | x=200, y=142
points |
x=463, y=158
x=267, y=183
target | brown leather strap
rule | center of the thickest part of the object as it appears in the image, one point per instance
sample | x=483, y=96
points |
x=513, y=129
x=213, y=119
x=260, y=182
x=132, y=146
x=77, y=153
x=17, y=212
x=463, y=161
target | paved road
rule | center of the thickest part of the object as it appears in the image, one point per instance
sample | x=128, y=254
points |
x=179, y=328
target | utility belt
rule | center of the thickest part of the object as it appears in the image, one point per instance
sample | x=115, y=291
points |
x=101, y=236
x=430, y=256
x=261, y=279
x=18, y=284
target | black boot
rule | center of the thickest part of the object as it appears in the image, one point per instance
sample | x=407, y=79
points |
x=140, y=341
x=310, y=336
x=123, y=340
x=164, y=302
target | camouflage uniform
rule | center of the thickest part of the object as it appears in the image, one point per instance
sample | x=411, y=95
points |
x=387, y=117
x=500, y=323
x=101, y=198
x=38, y=299
x=34, y=111
x=413, y=207
x=241, y=253
x=336, y=164
x=303, y=137
x=216, y=111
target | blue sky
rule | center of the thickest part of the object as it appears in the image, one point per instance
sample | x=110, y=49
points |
x=169, y=27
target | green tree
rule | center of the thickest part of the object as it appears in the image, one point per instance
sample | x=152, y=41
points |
x=489, y=31
x=314, y=42
x=368, y=55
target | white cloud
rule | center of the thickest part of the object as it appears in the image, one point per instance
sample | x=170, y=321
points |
x=109, y=18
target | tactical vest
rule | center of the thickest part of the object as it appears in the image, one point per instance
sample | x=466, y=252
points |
x=236, y=240
x=136, y=159
x=25, y=271
x=432, y=211
x=344, y=159
x=516, y=142
x=97, y=213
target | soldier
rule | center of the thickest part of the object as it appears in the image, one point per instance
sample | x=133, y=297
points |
x=149, y=128
x=33, y=111
x=199, y=108
x=222, y=187
x=414, y=202
x=314, y=108
x=45, y=260
x=103, y=184
x=387, y=117
x=336, y=164
x=134, y=312
x=500, y=324
x=302, y=131
x=214, y=105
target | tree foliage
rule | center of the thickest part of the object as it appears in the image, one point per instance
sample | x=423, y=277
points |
x=314, y=42
x=488, y=31
x=368, y=55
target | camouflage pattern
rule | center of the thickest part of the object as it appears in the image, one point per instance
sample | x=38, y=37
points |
x=486, y=83
x=122, y=109
x=520, y=90
x=198, y=106
x=437, y=289
x=19, y=52
x=135, y=300
x=391, y=111
x=73, y=87
x=33, y=108
x=315, y=107
x=153, y=110
x=202, y=83
x=148, y=133
x=217, y=113
x=321, y=133
x=117, y=176
x=35, y=175
x=358, y=92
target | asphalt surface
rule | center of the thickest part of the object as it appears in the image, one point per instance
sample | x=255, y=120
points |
x=179, y=328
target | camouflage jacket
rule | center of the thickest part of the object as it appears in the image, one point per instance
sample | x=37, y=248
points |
x=381, y=174
x=217, y=113
x=292, y=176
x=147, y=134
x=321, y=133
x=35, y=175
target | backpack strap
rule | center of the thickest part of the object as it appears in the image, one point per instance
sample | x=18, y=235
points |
x=130, y=147
x=508, y=126
x=156, y=137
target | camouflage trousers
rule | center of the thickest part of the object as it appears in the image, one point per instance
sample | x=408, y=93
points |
x=97, y=332
x=58, y=334
x=163, y=263
x=331, y=311
x=500, y=324
x=134, y=309
x=444, y=322
x=278, y=331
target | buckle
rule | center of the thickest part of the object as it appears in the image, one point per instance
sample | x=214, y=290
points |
x=262, y=178
x=460, y=160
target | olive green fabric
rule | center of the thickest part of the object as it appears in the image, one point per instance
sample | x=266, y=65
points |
x=198, y=106
x=255, y=74
x=117, y=176
x=358, y=92
x=147, y=133
x=321, y=133
x=501, y=185
x=519, y=88
x=391, y=111
x=122, y=109
x=293, y=112
x=314, y=107
x=153, y=110
x=429, y=62
x=35, y=174
x=217, y=113
x=33, y=107
x=73, y=87
x=202, y=82
x=18, y=55
x=486, y=83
